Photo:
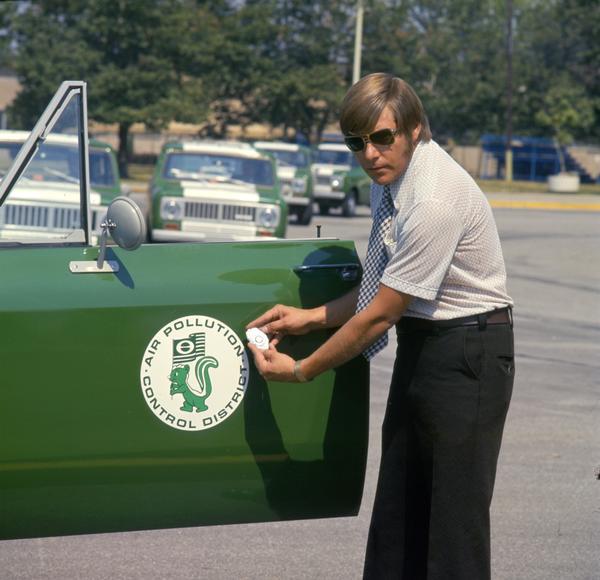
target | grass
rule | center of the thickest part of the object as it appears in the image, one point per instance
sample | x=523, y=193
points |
x=138, y=172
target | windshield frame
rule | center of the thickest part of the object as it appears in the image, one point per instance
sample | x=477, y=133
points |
x=67, y=91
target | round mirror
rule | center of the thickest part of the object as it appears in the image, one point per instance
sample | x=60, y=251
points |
x=129, y=229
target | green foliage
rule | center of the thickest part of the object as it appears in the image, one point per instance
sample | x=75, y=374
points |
x=136, y=57
x=565, y=109
x=289, y=62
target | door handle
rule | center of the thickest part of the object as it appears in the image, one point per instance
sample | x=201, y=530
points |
x=347, y=272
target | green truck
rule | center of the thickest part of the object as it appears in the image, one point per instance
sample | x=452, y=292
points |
x=210, y=190
x=294, y=172
x=46, y=201
x=339, y=181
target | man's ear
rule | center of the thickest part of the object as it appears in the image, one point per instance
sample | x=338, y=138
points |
x=415, y=133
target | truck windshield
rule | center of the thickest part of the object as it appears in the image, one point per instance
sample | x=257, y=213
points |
x=207, y=166
x=334, y=157
x=294, y=158
x=59, y=163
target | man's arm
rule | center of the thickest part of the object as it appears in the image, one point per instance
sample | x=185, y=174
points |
x=360, y=331
x=281, y=320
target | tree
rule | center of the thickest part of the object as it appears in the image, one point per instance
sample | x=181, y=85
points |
x=309, y=70
x=8, y=11
x=134, y=55
x=450, y=51
x=284, y=62
x=288, y=62
x=558, y=60
x=566, y=109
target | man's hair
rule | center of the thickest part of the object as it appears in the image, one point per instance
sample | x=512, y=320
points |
x=366, y=100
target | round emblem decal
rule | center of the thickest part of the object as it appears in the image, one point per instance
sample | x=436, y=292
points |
x=194, y=373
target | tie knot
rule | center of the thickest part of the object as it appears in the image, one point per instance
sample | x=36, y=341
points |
x=387, y=193
x=387, y=200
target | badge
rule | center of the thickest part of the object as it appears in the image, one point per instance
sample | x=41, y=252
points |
x=194, y=373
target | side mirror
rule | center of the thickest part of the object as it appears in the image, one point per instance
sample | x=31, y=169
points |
x=126, y=225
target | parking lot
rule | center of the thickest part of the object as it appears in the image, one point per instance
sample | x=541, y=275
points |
x=546, y=510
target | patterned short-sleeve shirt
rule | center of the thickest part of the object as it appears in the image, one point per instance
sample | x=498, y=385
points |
x=443, y=244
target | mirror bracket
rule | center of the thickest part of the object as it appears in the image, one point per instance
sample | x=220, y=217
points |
x=107, y=226
x=86, y=267
x=125, y=223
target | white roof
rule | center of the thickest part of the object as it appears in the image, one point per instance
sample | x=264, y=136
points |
x=233, y=148
x=277, y=146
x=21, y=137
x=333, y=147
x=45, y=192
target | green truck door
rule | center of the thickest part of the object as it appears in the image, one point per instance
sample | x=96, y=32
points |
x=128, y=401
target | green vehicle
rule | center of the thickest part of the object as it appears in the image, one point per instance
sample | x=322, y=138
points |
x=46, y=202
x=355, y=184
x=339, y=181
x=128, y=399
x=294, y=172
x=215, y=191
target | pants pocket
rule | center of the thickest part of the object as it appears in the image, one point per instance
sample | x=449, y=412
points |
x=474, y=352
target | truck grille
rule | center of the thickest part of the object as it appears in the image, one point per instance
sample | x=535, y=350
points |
x=218, y=211
x=41, y=217
x=323, y=180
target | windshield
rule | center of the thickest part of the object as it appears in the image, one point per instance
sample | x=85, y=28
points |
x=226, y=168
x=59, y=163
x=294, y=158
x=334, y=157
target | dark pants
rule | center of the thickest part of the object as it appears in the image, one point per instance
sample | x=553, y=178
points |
x=448, y=399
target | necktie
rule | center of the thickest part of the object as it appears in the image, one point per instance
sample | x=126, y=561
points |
x=375, y=263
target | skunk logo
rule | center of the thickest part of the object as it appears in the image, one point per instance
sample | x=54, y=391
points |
x=184, y=386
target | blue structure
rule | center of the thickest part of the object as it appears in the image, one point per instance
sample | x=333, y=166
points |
x=534, y=158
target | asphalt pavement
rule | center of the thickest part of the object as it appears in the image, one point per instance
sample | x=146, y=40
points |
x=546, y=508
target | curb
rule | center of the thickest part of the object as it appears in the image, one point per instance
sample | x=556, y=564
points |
x=547, y=205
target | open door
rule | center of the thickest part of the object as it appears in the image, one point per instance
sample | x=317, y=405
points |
x=128, y=399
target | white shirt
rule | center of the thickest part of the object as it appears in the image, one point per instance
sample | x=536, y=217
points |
x=443, y=243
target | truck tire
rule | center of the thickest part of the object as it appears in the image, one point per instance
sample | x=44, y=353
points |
x=304, y=214
x=349, y=205
x=323, y=209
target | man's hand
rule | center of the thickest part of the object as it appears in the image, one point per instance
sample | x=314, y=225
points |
x=281, y=320
x=273, y=365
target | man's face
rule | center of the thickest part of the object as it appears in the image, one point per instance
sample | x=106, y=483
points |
x=385, y=163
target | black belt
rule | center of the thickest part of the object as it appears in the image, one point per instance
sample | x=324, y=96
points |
x=499, y=316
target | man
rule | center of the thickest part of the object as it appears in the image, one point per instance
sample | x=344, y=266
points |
x=435, y=270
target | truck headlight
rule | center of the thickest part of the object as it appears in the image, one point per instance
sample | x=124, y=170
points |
x=299, y=185
x=171, y=209
x=337, y=183
x=268, y=217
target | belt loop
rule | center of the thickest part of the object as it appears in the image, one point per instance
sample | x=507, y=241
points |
x=482, y=321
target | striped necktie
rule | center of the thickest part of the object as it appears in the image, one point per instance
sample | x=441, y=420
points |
x=375, y=263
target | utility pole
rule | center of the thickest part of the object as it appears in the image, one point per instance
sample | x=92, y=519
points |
x=508, y=156
x=358, y=41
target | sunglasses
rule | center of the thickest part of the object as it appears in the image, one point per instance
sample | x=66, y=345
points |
x=381, y=137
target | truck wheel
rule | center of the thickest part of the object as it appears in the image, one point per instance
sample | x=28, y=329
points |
x=349, y=205
x=304, y=214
